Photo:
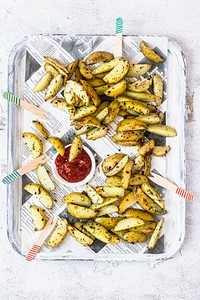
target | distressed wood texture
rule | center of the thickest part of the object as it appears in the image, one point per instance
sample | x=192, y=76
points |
x=176, y=278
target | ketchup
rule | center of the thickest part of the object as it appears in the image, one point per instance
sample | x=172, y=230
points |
x=76, y=170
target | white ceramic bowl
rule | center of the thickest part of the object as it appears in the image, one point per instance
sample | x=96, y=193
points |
x=80, y=183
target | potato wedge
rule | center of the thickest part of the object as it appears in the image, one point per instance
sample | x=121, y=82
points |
x=128, y=223
x=91, y=92
x=125, y=143
x=113, y=109
x=108, y=209
x=142, y=96
x=116, y=89
x=97, y=133
x=83, y=130
x=150, y=119
x=127, y=201
x=150, y=53
x=76, y=148
x=96, y=82
x=111, y=161
x=97, y=57
x=38, y=217
x=114, y=180
x=87, y=121
x=81, y=212
x=135, y=237
x=108, y=222
x=162, y=130
x=69, y=94
x=79, y=236
x=153, y=194
x=34, y=143
x=77, y=74
x=140, y=85
x=126, y=174
x=40, y=127
x=118, y=72
x=105, y=202
x=101, y=116
x=138, y=164
x=44, y=178
x=100, y=90
x=84, y=70
x=120, y=233
x=137, y=106
x=138, y=213
x=78, y=89
x=101, y=107
x=138, y=179
x=62, y=105
x=83, y=111
x=147, y=203
x=138, y=70
x=128, y=136
x=54, y=87
x=57, y=65
x=161, y=150
x=58, y=144
x=77, y=198
x=147, y=148
x=155, y=236
x=80, y=227
x=58, y=234
x=43, y=82
x=147, y=165
x=101, y=233
x=118, y=167
x=93, y=195
x=71, y=68
x=110, y=191
x=146, y=228
x=51, y=69
x=130, y=125
x=107, y=66
x=40, y=193
x=158, y=88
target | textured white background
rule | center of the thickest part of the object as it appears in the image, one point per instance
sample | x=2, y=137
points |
x=176, y=278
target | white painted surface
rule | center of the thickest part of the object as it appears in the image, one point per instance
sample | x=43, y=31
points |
x=177, y=278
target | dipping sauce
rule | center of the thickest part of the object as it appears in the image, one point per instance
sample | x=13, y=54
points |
x=76, y=170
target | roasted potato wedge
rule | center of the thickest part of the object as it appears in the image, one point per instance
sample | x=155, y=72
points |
x=146, y=228
x=51, y=69
x=83, y=130
x=58, y=144
x=102, y=114
x=161, y=150
x=62, y=105
x=96, y=82
x=111, y=161
x=76, y=148
x=128, y=223
x=40, y=193
x=140, y=85
x=136, y=106
x=38, y=217
x=97, y=133
x=80, y=237
x=162, y=130
x=128, y=136
x=93, y=195
x=150, y=119
x=110, y=191
x=77, y=198
x=147, y=165
x=150, y=53
x=108, y=209
x=57, y=65
x=71, y=68
x=40, y=127
x=125, y=143
x=100, y=90
x=158, y=88
x=87, y=121
x=80, y=227
x=84, y=70
x=118, y=72
x=118, y=167
x=83, y=111
x=44, y=178
x=97, y=57
x=138, y=213
x=130, y=125
x=54, y=87
x=116, y=89
x=138, y=164
x=69, y=95
x=101, y=233
x=135, y=237
x=91, y=92
x=155, y=236
x=126, y=174
x=147, y=148
x=34, y=143
x=153, y=194
x=138, y=70
x=43, y=82
x=138, y=179
x=78, y=89
x=142, y=96
x=81, y=212
x=108, y=222
x=107, y=66
x=114, y=180
x=58, y=234
x=113, y=109
x=127, y=201
x=105, y=202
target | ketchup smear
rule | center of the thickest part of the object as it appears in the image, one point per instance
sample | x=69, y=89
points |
x=76, y=170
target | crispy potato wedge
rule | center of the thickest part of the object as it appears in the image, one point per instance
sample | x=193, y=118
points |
x=158, y=88
x=138, y=179
x=96, y=82
x=138, y=164
x=54, y=87
x=114, y=180
x=81, y=212
x=93, y=195
x=118, y=72
x=127, y=201
x=113, y=109
x=116, y=89
x=128, y=136
x=147, y=165
x=51, y=69
x=38, y=217
x=101, y=233
x=40, y=193
x=153, y=194
x=40, y=127
x=80, y=237
x=138, y=70
x=135, y=237
x=107, y=66
x=101, y=75
x=140, y=85
x=84, y=70
x=155, y=236
x=91, y=92
x=58, y=234
x=130, y=125
x=87, y=121
x=111, y=161
x=62, y=105
x=83, y=130
x=83, y=111
x=100, y=90
x=97, y=57
x=69, y=95
x=118, y=167
x=126, y=174
x=123, y=113
x=128, y=223
x=44, y=178
x=57, y=65
x=125, y=143
x=105, y=202
x=162, y=130
x=34, y=143
x=120, y=233
x=97, y=133
x=80, y=227
x=161, y=150
x=76, y=148
x=142, y=96
x=77, y=74
x=43, y=82
x=150, y=119
x=78, y=89
x=101, y=107
x=58, y=144
x=77, y=198
x=137, y=106
x=147, y=203
x=101, y=116
x=147, y=148
x=146, y=228
x=150, y=53
x=110, y=191
x=108, y=222
x=138, y=213
x=71, y=68
x=108, y=209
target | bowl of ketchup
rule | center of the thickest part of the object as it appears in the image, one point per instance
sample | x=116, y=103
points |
x=77, y=172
